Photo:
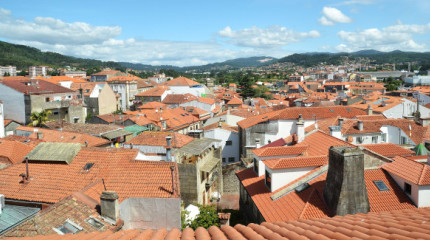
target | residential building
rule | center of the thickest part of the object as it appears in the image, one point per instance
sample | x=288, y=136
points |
x=23, y=97
x=10, y=126
x=99, y=176
x=99, y=97
x=37, y=71
x=159, y=78
x=126, y=88
x=12, y=152
x=75, y=74
x=409, y=224
x=156, y=94
x=104, y=76
x=229, y=137
x=204, y=103
x=63, y=81
x=417, y=81
x=10, y=70
x=269, y=127
x=182, y=85
x=175, y=100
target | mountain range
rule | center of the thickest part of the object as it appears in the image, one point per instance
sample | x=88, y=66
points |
x=23, y=56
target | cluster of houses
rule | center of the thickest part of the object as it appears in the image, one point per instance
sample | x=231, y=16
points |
x=119, y=154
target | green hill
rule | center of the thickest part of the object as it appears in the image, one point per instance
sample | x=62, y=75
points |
x=23, y=56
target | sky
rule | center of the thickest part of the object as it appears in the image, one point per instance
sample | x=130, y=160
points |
x=191, y=32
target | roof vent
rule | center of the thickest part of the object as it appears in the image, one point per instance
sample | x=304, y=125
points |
x=302, y=187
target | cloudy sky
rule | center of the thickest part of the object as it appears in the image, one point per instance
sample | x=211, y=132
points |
x=195, y=32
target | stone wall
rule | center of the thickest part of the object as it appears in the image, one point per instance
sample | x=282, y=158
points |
x=188, y=183
x=230, y=180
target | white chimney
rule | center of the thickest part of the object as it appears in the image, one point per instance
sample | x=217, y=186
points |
x=335, y=131
x=360, y=125
x=300, y=131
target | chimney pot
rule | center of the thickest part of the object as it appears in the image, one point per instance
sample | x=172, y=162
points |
x=340, y=122
x=39, y=135
x=109, y=205
x=169, y=148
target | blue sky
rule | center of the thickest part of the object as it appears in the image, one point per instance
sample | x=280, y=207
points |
x=191, y=32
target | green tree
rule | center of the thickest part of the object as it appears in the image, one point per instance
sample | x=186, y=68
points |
x=39, y=118
x=207, y=217
x=246, y=85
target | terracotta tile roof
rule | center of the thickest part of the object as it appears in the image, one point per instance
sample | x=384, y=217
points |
x=308, y=113
x=415, y=172
x=65, y=136
x=145, y=83
x=178, y=98
x=152, y=105
x=280, y=151
x=310, y=203
x=111, y=118
x=389, y=149
x=87, y=87
x=14, y=151
x=296, y=162
x=149, y=138
x=107, y=72
x=224, y=126
x=93, y=129
x=180, y=81
x=123, y=79
x=235, y=101
x=43, y=87
x=51, y=182
x=371, y=117
x=319, y=143
x=32, y=142
x=69, y=208
x=153, y=92
x=7, y=121
x=397, y=224
x=216, y=109
x=206, y=100
x=17, y=78
x=278, y=143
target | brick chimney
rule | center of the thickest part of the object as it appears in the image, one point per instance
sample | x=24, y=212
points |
x=300, y=124
x=345, y=190
x=109, y=205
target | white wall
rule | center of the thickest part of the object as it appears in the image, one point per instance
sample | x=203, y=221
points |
x=285, y=129
x=366, y=138
x=401, y=183
x=186, y=89
x=13, y=103
x=407, y=108
x=224, y=135
x=424, y=196
x=1, y=121
x=197, y=104
x=282, y=177
x=394, y=134
x=229, y=119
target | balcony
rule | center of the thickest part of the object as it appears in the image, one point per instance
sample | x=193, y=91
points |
x=60, y=104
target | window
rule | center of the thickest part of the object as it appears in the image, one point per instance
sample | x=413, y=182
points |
x=403, y=140
x=359, y=139
x=223, y=159
x=228, y=143
x=384, y=137
x=374, y=139
x=68, y=227
x=268, y=180
x=88, y=166
x=47, y=99
x=95, y=223
x=408, y=188
x=381, y=185
x=256, y=166
x=231, y=159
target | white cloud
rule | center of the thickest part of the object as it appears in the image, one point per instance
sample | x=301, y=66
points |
x=270, y=37
x=399, y=36
x=332, y=16
x=53, y=31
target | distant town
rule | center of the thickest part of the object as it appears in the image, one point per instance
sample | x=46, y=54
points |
x=286, y=149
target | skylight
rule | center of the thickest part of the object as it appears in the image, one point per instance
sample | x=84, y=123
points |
x=331, y=110
x=68, y=227
x=88, y=166
x=95, y=223
x=381, y=185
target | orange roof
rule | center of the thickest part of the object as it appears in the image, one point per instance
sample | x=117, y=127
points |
x=181, y=81
x=308, y=113
x=51, y=182
x=206, y=100
x=296, y=162
x=153, y=92
x=123, y=79
x=371, y=117
x=280, y=151
x=235, y=101
x=65, y=136
x=415, y=172
x=152, y=105
x=310, y=203
x=13, y=150
x=224, y=126
x=397, y=224
x=87, y=87
x=319, y=143
x=149, y=138
x=389, y=149
x=107, y=72
x=178, y=98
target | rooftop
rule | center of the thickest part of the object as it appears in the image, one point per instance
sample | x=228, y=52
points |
x=149, y=138
x=415, y=172
x=35, y=87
